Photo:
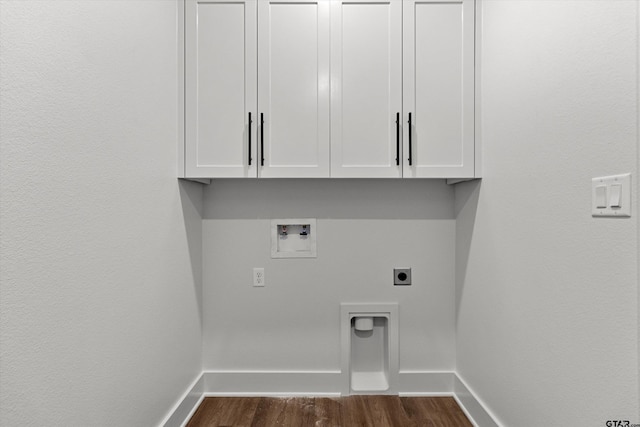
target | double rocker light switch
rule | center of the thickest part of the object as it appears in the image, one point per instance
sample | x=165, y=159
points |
x=611, y=196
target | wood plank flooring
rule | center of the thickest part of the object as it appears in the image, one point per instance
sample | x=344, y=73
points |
x=374, y=411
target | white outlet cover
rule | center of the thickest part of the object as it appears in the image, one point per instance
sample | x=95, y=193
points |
x=624, y=211
x=258, y=277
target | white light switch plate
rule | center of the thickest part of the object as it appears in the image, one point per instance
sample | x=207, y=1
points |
x=624, y=210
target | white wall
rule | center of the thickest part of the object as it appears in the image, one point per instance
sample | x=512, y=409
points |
x=365, y=229
x=100, y=245
x=547, y=296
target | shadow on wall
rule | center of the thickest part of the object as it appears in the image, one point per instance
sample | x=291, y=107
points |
x=328, y=199
x=192, y=209
x=466, y=205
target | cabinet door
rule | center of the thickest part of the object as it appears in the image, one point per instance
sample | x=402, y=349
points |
x=220, y=92
x=439, y=88
x=366, y=88
x=293, y=82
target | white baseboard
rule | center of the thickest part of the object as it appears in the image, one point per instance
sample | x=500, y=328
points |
x=473, y=407
x=187, y=405
x=322, y=384
x=272, y=383
x=425, y=383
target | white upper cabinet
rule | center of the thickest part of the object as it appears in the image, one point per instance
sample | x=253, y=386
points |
x=293, y=88
x=366, y=88
x=330, y=88
x=220, y=89
x=438, y=93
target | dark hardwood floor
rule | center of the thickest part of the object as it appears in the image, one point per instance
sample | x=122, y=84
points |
x=374, y=411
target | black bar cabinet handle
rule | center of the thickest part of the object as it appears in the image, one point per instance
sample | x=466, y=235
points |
x=250, y=139
x=410, y=157
x=397, y=139
x=261, y=139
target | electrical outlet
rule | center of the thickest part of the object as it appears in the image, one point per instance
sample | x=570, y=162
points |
x=402, y=277
x=258, y=277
